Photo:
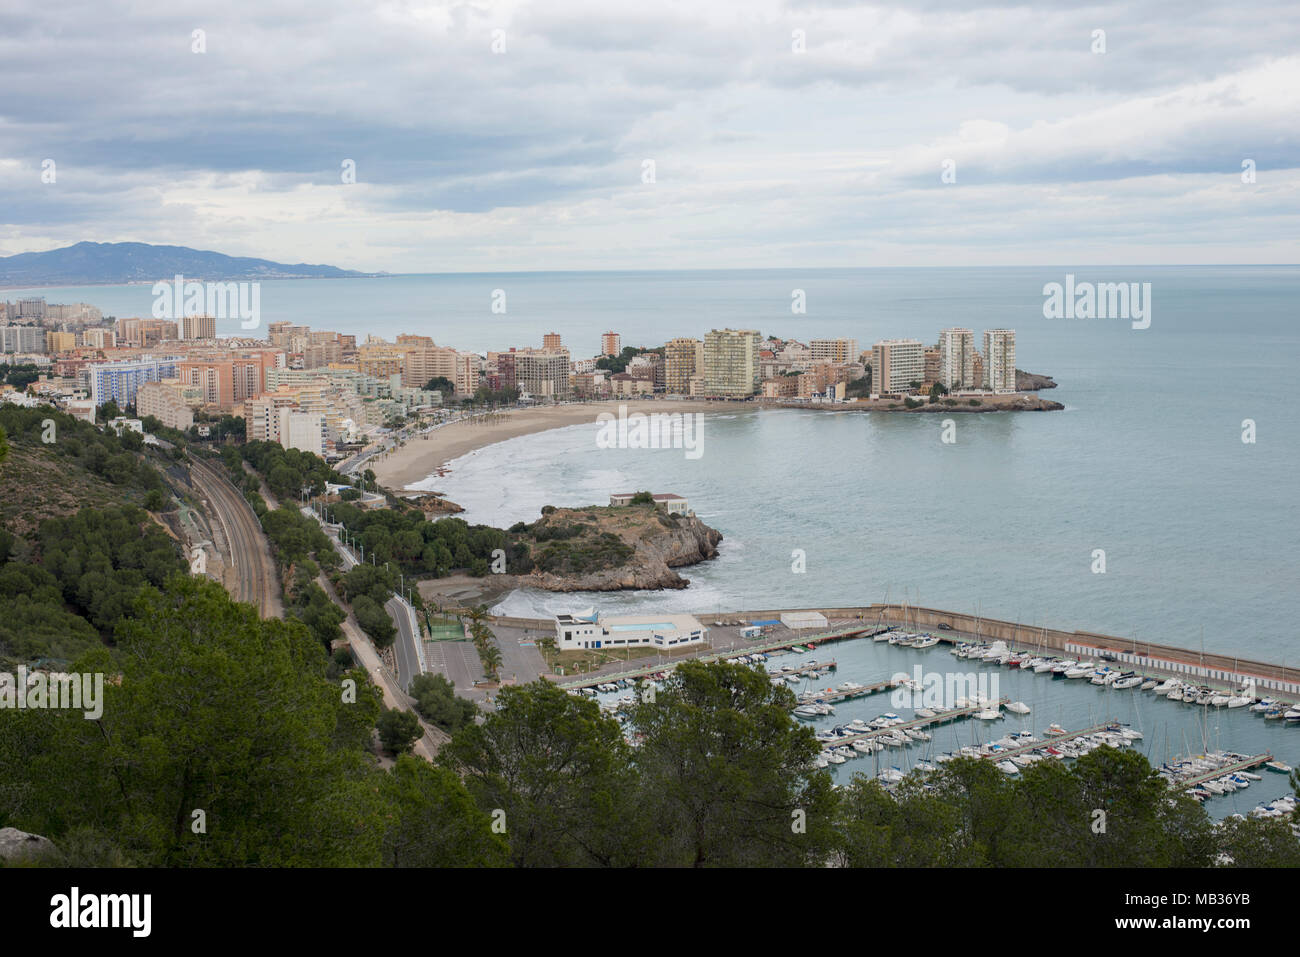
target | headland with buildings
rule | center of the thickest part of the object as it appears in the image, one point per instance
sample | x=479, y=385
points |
x=327, y=393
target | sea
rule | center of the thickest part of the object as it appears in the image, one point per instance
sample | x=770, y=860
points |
x=1161, y=505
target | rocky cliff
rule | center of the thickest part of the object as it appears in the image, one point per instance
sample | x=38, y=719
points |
x=610, y=549
x=1030, y=382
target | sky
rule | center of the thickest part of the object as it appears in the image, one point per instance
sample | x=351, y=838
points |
x=617, y=135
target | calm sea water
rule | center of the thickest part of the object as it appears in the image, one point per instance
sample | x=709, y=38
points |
x=1199, y=529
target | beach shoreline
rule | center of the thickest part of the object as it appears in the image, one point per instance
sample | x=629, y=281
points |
x=423, y=455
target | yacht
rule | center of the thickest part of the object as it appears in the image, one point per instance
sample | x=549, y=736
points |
x=1018, y=707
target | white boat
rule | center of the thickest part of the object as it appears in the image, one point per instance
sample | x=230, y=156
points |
x=1018, y=707
x=1047, y=664
x=890, y=776
x=987, y=714
x=1081, y=670
x=1239, y=701
x=1008, y=767
x=927, y=641
x=1278, y=767
x=1132, y=682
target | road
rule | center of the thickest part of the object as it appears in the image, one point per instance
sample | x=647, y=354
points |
x=248, y=552
x=407, y=649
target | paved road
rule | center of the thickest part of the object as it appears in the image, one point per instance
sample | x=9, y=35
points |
x=248, y=553
x=407, y=647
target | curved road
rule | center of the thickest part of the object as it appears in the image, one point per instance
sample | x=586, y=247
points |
x=249, y=554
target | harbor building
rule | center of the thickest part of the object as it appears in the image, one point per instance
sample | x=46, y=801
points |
x=731, y=363
x=895, y=365
x=1000, y=360
x=589, y=630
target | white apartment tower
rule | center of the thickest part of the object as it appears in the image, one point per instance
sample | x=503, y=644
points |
x=895, y=365
x=957, y=359
x=1000, y=360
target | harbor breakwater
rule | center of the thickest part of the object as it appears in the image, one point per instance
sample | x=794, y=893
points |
x=1204, y=667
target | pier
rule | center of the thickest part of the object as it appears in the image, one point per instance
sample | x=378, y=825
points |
x=914, y=723
x=1050, y=740
x=1245, y=764
x=835, y=695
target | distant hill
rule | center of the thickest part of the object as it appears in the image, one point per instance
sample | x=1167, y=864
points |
x=98, y=263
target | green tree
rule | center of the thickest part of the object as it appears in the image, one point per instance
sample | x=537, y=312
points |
x=437, y=823
x=216, y=710
x=561, y=773
x=727, y=776
x=398, y=730
x=436, y=699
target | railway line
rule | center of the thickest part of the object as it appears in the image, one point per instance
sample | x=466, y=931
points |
x=248, y=553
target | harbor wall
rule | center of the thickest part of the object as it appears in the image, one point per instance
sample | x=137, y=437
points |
x=1207, y=668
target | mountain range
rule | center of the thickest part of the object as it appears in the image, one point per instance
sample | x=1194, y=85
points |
x=88, y=263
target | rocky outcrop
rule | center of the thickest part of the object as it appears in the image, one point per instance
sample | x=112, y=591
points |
x=16, y=845
x=1022, y=403
x=434, y=504
x=653, y=544
x=1030, y=382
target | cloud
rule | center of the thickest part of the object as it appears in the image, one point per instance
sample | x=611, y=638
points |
x=532, y=158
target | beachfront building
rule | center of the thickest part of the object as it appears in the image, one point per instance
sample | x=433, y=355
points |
x=683, y=358
x=957, y=359
x=834, y=350
x=542, y=374
x=731, y=362
x=895, y=365
x=589, y=630
x=1000, y=360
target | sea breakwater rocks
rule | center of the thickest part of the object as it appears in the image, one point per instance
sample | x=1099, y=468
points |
x=1026, y=403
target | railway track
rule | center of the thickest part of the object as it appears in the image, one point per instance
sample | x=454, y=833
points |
x=249, y=553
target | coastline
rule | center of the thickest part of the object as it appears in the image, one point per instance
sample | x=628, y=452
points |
x=423, y=455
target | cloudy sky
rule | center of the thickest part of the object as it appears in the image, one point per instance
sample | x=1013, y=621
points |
x=519, y=135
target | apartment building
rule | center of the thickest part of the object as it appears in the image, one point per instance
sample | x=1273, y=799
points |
x=166, y=401
x=120, y=381
x=999, y=360
x=426, y=362
x=198, y=327
x=834, y=350
x=731, y=365
x=683, y=358
x=543, y=375
x=957, y=359
x=56, y=342
x=611, y=344
x=895, y=365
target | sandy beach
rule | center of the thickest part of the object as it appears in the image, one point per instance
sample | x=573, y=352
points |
x=422, y=455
